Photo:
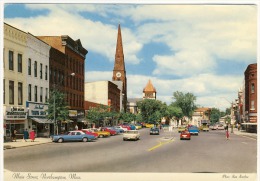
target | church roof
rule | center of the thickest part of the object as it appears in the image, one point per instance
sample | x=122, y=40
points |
x=149, y=87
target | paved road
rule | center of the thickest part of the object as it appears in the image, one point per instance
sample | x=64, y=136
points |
x=209, y=152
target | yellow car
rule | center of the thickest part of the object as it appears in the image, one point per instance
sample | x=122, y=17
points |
x=180, y=129
x=138, y=126
x=148, y=125
x=101, y=134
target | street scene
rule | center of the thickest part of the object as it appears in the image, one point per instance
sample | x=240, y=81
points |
x=111, y=91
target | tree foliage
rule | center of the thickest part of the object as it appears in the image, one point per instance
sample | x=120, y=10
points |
x=151, y=110
x=58, y=107
x=215, y=115
x=185, y=101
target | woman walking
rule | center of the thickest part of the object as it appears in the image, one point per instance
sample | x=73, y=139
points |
x=32, y=135
x=227, y=133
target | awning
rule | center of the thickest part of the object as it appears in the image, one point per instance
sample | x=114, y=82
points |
x=42, y=120
x=249, y=123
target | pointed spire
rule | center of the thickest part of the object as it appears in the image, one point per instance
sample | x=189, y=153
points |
x=149, y=87
x=119, y=56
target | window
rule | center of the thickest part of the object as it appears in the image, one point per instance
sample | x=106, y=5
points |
x=252, y=88
x=29, y=66
x=11, y=60
x=51, y=75
x=35, y=93
x=29, y=92
x=35, y=69
x=41, y=94
x=41, y=71
x=252, y=105
x=20, y=66
x=11, y=92
x=20, y=93
x=46, y=72
x=46, y=95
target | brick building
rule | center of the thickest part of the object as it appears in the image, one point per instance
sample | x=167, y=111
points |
x=67, y=62
x=251, y=96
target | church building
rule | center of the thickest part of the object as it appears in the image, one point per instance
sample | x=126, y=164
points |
x=149, y=92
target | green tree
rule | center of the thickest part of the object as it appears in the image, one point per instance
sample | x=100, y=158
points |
x=174, y=111
x=215, y=115
x=57, y=109
x=186, y=102
x=151, y=110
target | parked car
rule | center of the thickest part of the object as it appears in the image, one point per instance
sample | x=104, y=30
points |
x=121, y=128
x=101, y=134
x=154, y=130
x=138, y=126
x=148, y=125
x=131, y=135
x=218, y=127
x=89, y=132
x=185, y=135
x=112, y=132
x=194, y=130
x=73, y=136
x=205, y=128
x=126, y=126
x=118, y=131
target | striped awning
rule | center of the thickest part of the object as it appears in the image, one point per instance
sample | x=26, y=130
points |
x=42, y=120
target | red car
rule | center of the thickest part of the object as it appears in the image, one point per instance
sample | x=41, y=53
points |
x=125, y=126
x=185, y=135
x=112, y=132
x=90, y=133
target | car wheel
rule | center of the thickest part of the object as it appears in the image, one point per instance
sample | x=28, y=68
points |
x=85, y=139
x=60, y=140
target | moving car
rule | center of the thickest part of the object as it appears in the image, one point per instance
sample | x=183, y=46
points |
x=180, y=129
x=205, y=128
x=73, y=136
x=154, y=130
x=194, y=130
x=218, y=127
x=131, y=135
x=185, y=135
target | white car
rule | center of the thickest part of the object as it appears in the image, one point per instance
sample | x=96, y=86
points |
x=218, y=127
x=131, y=135
x=120, y=127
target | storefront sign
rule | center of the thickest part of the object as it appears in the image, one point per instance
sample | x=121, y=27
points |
x=36, y=109
x=15, y=113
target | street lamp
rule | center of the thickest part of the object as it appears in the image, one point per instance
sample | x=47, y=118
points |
x=54, y=107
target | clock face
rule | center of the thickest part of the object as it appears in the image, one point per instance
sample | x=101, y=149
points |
x=118, y=74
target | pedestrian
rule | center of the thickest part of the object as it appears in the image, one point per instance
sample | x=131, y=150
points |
x=25, y=135
x=227, y=133
x=32, y=135
x=76, y=127
x=14, y=135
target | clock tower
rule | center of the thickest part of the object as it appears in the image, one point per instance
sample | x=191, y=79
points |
x=119, y=73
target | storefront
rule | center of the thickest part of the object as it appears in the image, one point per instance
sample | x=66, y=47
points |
x=15, y=118
x=37, y=117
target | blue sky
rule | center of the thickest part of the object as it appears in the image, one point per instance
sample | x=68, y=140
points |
x=202, y=49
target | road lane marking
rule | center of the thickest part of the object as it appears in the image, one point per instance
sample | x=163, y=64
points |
x=159, y=145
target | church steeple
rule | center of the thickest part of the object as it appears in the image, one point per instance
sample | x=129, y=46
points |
x=119, y=56
x=119, y=73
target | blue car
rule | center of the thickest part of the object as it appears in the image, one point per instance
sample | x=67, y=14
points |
x=73, y=136
x=194, y=130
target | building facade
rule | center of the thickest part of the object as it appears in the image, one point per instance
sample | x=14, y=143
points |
x=67, y=65
x=251, y=97
x=14, y=80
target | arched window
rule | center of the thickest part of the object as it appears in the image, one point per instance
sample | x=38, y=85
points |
x=252, y=88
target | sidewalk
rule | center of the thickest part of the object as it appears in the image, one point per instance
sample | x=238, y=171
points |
x=243, y=133
x=21, y=143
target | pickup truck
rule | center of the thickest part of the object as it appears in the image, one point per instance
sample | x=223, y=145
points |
x=131, y=135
